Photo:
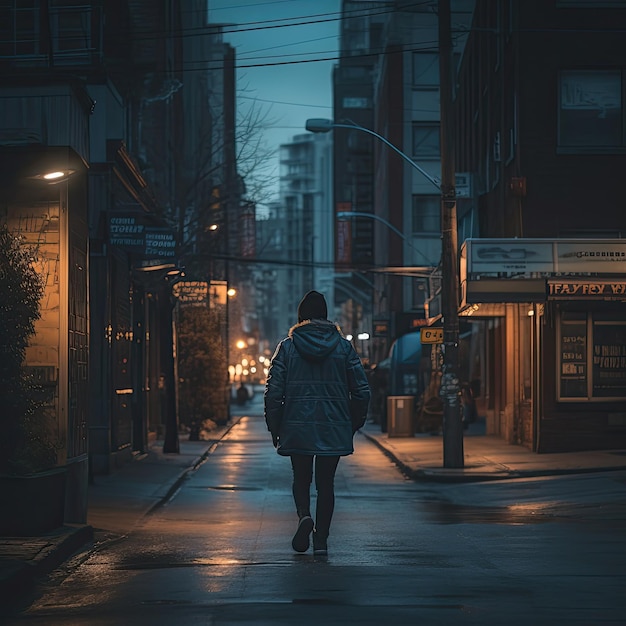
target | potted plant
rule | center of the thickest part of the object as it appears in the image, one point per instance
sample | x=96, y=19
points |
x=31, y=485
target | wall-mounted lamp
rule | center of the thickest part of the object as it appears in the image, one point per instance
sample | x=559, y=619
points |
x=53, y=176
x=157, y=267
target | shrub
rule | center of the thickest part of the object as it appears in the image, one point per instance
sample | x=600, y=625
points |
x=24, y=444
x=202, y=367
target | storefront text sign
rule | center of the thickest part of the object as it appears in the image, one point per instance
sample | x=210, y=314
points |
x=191, y=292
x=580, y=290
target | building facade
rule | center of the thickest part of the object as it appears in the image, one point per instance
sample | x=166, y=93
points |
x=97, y=92
x=388, y=82
x=539, y=124
x=307, y=229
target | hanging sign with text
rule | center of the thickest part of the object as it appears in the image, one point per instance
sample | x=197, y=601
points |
x=132, y=233
x=431, y=334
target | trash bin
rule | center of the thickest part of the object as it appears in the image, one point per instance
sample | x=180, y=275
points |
x=400, y=416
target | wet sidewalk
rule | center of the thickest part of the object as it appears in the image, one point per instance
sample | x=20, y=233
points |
x=119, y=501
x=486, y=457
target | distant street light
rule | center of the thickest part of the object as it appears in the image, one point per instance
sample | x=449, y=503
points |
x=451, y=391
x=342, y=215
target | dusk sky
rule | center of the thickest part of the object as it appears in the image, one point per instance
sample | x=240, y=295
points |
x=289, y=93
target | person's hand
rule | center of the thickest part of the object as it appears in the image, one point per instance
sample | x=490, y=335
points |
x=275, y=440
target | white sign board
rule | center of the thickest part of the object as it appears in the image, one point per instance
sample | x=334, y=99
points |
x=544, y=257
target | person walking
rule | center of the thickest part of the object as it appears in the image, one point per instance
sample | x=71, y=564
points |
x=316, y=398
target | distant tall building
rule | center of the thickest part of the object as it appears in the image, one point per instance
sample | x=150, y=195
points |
x=360, y=32
x=305, y=200
x=295, y=239
x=388, y=81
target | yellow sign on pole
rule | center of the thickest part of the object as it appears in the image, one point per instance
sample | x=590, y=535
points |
x=432, y=334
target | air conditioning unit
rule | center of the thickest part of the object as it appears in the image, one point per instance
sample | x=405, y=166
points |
x=463, y=184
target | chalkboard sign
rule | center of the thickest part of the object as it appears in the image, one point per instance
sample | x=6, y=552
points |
x=573, y=361
x=609, y=360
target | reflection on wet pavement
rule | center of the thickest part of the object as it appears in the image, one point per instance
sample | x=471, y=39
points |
x=442, y=512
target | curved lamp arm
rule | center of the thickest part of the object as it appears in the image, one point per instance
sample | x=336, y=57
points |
x=319, y=125
x=344, y=215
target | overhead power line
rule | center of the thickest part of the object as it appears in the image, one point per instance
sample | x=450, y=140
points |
x=270, y=24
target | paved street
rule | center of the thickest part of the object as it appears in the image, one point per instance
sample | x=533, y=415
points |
x=541, y=550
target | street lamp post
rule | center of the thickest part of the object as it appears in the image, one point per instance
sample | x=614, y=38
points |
x=450, y=387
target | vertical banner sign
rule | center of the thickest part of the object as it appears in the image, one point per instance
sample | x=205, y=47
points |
x=343, y=238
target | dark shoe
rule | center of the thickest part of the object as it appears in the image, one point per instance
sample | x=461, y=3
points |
x=320, y=547
x=300, y=541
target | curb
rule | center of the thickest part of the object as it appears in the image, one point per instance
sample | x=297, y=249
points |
x=435, y=475
x=182, y=477
x=14, y=587
x=445, y=475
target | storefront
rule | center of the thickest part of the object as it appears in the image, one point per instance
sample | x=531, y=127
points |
x=555, y=344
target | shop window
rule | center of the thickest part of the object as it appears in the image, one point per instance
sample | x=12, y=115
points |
x=609, y=359
x=573, y=355
x=592, y=356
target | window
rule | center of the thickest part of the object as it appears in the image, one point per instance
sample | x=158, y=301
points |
x=590, y=4
x=426, y=140
x=590, y=109
x=425, y=69
x=20, y=28
x=356, y=103
x=71, y=29
x=426, y=216
x=592, y=356
x=419, y=293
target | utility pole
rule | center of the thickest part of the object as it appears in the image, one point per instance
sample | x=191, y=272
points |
x=450, y=388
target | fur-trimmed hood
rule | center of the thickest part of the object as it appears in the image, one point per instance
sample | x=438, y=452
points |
x=315, y=339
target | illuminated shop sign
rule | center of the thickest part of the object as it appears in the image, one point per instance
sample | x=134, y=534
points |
x=586, y=290
x=543, y=257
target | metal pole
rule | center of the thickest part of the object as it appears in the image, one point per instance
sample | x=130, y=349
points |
x=450, y=388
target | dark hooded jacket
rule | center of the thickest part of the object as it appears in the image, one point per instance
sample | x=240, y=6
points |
x=317, y=394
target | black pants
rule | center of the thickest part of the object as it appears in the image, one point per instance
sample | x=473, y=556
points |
x=325, y=468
